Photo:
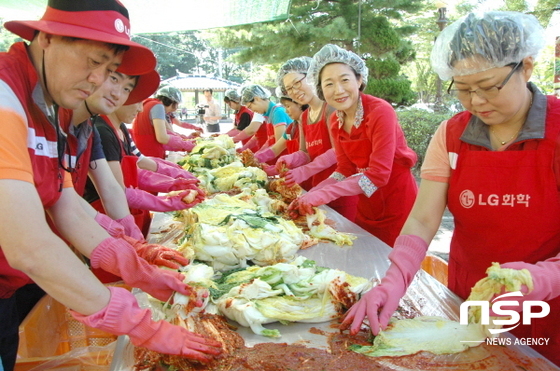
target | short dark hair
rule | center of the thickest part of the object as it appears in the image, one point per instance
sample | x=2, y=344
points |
x=165, y=101
x=210, y=90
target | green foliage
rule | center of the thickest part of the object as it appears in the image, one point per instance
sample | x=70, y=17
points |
x=6, y=37
x=395, y=90
x=419, y=127
x=383, y=68
x=373, y=32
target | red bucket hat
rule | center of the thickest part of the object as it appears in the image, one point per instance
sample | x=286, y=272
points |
x=146, y=85
x=99, y=20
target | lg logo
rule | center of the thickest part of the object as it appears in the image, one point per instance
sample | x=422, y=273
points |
x=499, y=308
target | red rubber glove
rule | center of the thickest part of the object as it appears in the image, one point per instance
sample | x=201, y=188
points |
x=546, y=282
x=119, y=257
x=171, y=169
x=139, y=199
x=130, y=227
x=292, y=160
x=264, y=155
x=320, y=196
x=380, y=302
x=157, y=254
x=176, y=143
x=123, y=316
x=304, y=172
x=155, y=182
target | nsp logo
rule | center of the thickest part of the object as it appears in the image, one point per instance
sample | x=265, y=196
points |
x=499, y=308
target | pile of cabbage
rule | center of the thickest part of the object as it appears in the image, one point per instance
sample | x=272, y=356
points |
x=229, y=232
x=231, y=176
x=299, y=291
x=209, y=153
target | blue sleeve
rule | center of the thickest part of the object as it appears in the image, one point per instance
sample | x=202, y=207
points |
x=280, y=117
x=157, y=112
x=97, y=147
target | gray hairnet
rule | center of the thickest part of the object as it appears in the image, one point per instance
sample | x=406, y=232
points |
x=250, y=92
x=233, y=95
x=500, y=38
x=170, y=92
x=294, y=65
x=333, y=54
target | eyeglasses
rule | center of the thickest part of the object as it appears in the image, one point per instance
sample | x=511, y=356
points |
x=296, y=85
x=484, y=93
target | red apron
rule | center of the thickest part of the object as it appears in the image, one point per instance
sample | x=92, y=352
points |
x=271, y=137
x=292, y=146
x=144, y=133
x=317, y=142
x=506, y=208
x=141, y=217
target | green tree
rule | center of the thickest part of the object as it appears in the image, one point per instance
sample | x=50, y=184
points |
x=368, y=27
x=6, y=37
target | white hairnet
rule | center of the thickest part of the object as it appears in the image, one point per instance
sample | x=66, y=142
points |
x=500, y=38
x=294, y=65
x=333, y=54
x=249, y=92
x=233, y=95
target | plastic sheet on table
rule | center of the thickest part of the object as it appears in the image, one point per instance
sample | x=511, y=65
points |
x=426, y=296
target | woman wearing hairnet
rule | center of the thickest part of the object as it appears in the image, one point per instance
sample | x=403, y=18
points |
x=373, y=159
x=316, y=161
x=495, y=166
x=246, y=123
x=151, y=129
x=256, y=98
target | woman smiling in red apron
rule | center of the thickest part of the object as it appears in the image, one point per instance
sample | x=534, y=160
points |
x=316, y=161
x=373, y=159
x=495, y=166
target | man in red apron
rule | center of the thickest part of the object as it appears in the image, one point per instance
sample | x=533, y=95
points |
x=496, y=167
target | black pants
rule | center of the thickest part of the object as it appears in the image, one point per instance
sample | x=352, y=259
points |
x=213, y=128
x=9, y=336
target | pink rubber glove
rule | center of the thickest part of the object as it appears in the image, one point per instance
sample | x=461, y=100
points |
x=321, y=196
x=302, y=173
x=252, y=142
x=187, y=125
x=176, y=143
x=292, y=160
x=232, y=133
x=130, y=227
x=240, y=136
x=380, y=302
x=123, y=316
x=546, y=282
x=114, y=228
x=139, y=199
x=264, y=155
x=270, y=170
x=171, y=169
x=118, y=257
x=157, y=254
x=155, y=182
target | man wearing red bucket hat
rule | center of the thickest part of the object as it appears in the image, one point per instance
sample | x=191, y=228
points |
x=72, y=50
